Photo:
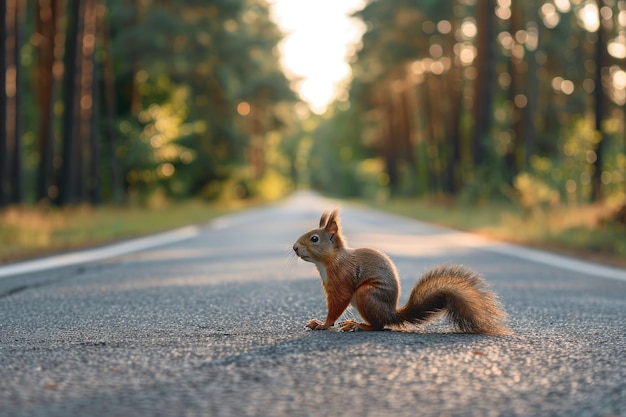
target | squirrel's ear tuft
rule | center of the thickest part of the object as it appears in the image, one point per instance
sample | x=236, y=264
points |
x=332, y=222
x=324, y=218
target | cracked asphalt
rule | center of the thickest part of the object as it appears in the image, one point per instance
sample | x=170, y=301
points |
x=214, y=325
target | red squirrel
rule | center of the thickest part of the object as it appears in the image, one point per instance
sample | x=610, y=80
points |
x=367, y=279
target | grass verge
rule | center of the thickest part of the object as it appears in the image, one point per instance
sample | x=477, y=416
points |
x=27, y=232
x=579, y=231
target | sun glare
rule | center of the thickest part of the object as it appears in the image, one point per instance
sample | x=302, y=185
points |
x=320, y=37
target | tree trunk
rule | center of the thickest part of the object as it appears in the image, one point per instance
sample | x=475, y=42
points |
x=483, y=88
x=84, y=152
x=108, y=77
x=530, y=128
x=4, y=146
x=430, y=95
x=95, y=191
x=135, y=97
x=406, y=128
x=47, y=13
x=516, y=87
x=17, y=192
x=12, y=148
x=91, y=29
x=453, y=132
x=600, y=58
x=67, y=191
x=391, y=146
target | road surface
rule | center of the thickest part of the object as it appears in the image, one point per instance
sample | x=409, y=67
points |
x=212, y=324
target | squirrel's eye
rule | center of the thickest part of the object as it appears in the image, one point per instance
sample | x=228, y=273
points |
x=314, y=238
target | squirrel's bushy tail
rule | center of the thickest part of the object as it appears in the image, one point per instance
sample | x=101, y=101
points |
x=459, y=293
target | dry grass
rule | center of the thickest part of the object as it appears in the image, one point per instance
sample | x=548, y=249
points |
x=27, y=232
x=580, y=231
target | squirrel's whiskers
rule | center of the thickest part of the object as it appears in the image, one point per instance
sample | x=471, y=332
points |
x=292, y=260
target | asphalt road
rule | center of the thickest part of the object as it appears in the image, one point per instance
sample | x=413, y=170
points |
x=213, y=325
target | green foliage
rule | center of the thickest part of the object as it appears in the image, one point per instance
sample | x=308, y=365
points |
x=219, y=60
x=487, y=181
x=566, y=178
x=535, y=195
x=181, y=71
x=336, y=158
x=415, y=92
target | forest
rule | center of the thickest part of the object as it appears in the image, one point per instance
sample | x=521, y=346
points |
x=124, y=102
x=483, y=99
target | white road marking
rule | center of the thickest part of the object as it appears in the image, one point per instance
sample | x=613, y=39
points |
x=98, y=254
x=534, y=255
x=558, y=261
x=453, y=238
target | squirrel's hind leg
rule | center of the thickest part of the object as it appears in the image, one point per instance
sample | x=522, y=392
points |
x=377, y=306
x=352, y=326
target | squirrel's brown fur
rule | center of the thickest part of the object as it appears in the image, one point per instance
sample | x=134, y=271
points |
x=367, y=279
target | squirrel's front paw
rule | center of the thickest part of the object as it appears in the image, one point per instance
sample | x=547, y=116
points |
x=316, y=325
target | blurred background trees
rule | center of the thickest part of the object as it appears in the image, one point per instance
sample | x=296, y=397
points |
x=135, y=100
x=484, y=99
x=138, y=101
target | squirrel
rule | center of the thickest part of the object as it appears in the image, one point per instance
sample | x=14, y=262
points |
x=367, y=279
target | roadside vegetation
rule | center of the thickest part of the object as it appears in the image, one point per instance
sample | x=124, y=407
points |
x=593, y=232
x=27, y=232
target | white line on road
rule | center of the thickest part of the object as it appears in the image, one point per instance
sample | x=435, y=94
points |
x=540, y=257
x=563, y=262
x=455, y=238
x=97, y=254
